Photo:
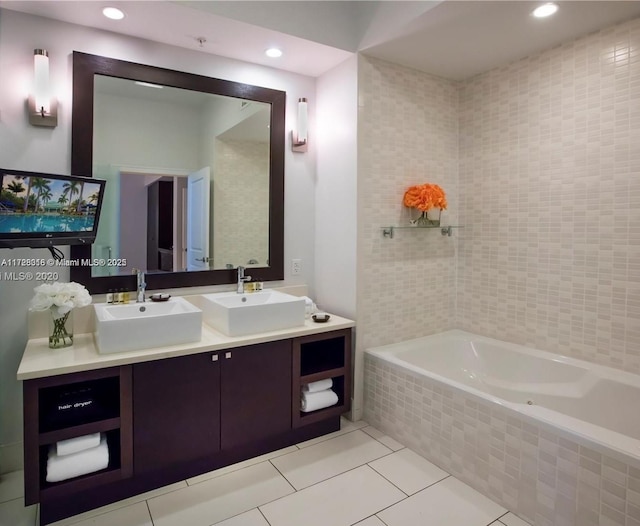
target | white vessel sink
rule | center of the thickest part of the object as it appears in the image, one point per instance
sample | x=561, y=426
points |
x=236, y=314
x=144, y=325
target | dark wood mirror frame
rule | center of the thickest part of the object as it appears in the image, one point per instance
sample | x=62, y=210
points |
x=85, y=67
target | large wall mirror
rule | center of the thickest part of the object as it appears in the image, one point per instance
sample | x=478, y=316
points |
x=195, y=175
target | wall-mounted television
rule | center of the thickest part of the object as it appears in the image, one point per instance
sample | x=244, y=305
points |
x=44, y=210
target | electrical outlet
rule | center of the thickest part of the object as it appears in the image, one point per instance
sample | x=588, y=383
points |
x=296, y=267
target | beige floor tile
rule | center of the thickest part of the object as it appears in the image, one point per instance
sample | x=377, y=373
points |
x=339, y=501
x=220, y=498
x=11, y=485
x=371, y=521
x=240, y=465
x=449, y=502
x=250, y=518
x=346, y=426
x=134, y=515
x=13, y=513
x=408, y=470
x=381, y=437
x=329, y=458
x=120, y=504
x=513, y=520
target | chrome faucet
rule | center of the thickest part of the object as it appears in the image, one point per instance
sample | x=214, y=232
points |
x=140, y=286
x=242, y=279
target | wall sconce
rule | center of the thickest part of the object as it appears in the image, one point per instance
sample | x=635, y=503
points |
x=43, y=108
x=300, y=139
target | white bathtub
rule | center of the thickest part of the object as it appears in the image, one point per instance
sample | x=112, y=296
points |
x=596, y=405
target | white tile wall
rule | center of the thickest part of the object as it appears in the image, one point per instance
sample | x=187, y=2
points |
x=407, y=135
x=549, y=196
x=241, y=181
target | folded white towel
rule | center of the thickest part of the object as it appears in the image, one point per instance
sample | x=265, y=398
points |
x=318, y=400
x=76, y=444
x=76, y=464
x=320, y=385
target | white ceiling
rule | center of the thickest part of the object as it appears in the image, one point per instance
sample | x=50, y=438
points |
x=452, y=39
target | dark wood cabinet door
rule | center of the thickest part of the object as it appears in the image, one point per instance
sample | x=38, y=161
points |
x=176, y=411
x=255, y=392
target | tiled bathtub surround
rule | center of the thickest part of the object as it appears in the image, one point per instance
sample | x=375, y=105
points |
x=528, y=468
x=549, y=165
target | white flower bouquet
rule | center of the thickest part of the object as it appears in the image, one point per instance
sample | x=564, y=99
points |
x=60, y=299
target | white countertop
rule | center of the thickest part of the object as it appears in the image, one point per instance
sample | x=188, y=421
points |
x=39, y=360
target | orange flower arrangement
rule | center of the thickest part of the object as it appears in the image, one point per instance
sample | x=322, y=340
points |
x=425, y=197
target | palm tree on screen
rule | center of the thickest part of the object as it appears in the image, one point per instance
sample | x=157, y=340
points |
x=15, y=187
x=70, y=189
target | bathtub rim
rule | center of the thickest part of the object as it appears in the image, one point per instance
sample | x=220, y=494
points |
x=611, y=443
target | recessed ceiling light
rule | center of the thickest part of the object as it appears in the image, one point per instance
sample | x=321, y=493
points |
x=273, y=52
x=545, y=10
x=113, y=13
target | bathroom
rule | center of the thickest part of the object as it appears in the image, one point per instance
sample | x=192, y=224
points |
x=547, y=256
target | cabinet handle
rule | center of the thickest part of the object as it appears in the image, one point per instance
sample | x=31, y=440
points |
x=214, y=357
x=227, y=355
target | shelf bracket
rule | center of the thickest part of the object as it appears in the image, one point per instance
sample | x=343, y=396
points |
x=446, y=231
x=388, y=232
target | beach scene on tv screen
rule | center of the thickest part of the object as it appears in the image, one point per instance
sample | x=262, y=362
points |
x=40, y=204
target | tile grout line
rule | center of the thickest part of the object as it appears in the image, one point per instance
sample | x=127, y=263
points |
x=333, y=476
x=234, y=470
x=385, y=445
x=11, y=500
x=385, y=478
x=149, y=510
x=263, y=515
x=498, y=519
x=414, y=493
x=283, y=476
x=319, y=482
x=325, y=439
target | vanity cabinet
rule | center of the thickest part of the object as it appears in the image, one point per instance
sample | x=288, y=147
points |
x=256, y=393
x=187, y=409
x=176, y=411
x=168, y=419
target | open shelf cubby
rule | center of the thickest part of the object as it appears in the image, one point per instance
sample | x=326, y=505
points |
x=318, y=357
x=111, y=472
x=71, y=405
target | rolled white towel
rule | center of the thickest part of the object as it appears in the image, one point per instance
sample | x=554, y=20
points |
x=320, y=385
x=319, y=400
x=76, y=444
x=309, y=306
x=76, y=464
x=307, y=300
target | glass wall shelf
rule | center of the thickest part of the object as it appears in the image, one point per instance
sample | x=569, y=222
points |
x=447, y=230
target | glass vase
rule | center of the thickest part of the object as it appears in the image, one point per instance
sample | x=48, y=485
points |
x=430, y=217
x=60, y=329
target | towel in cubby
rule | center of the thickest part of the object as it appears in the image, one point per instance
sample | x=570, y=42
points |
x=83, y=462
x=317, y=400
